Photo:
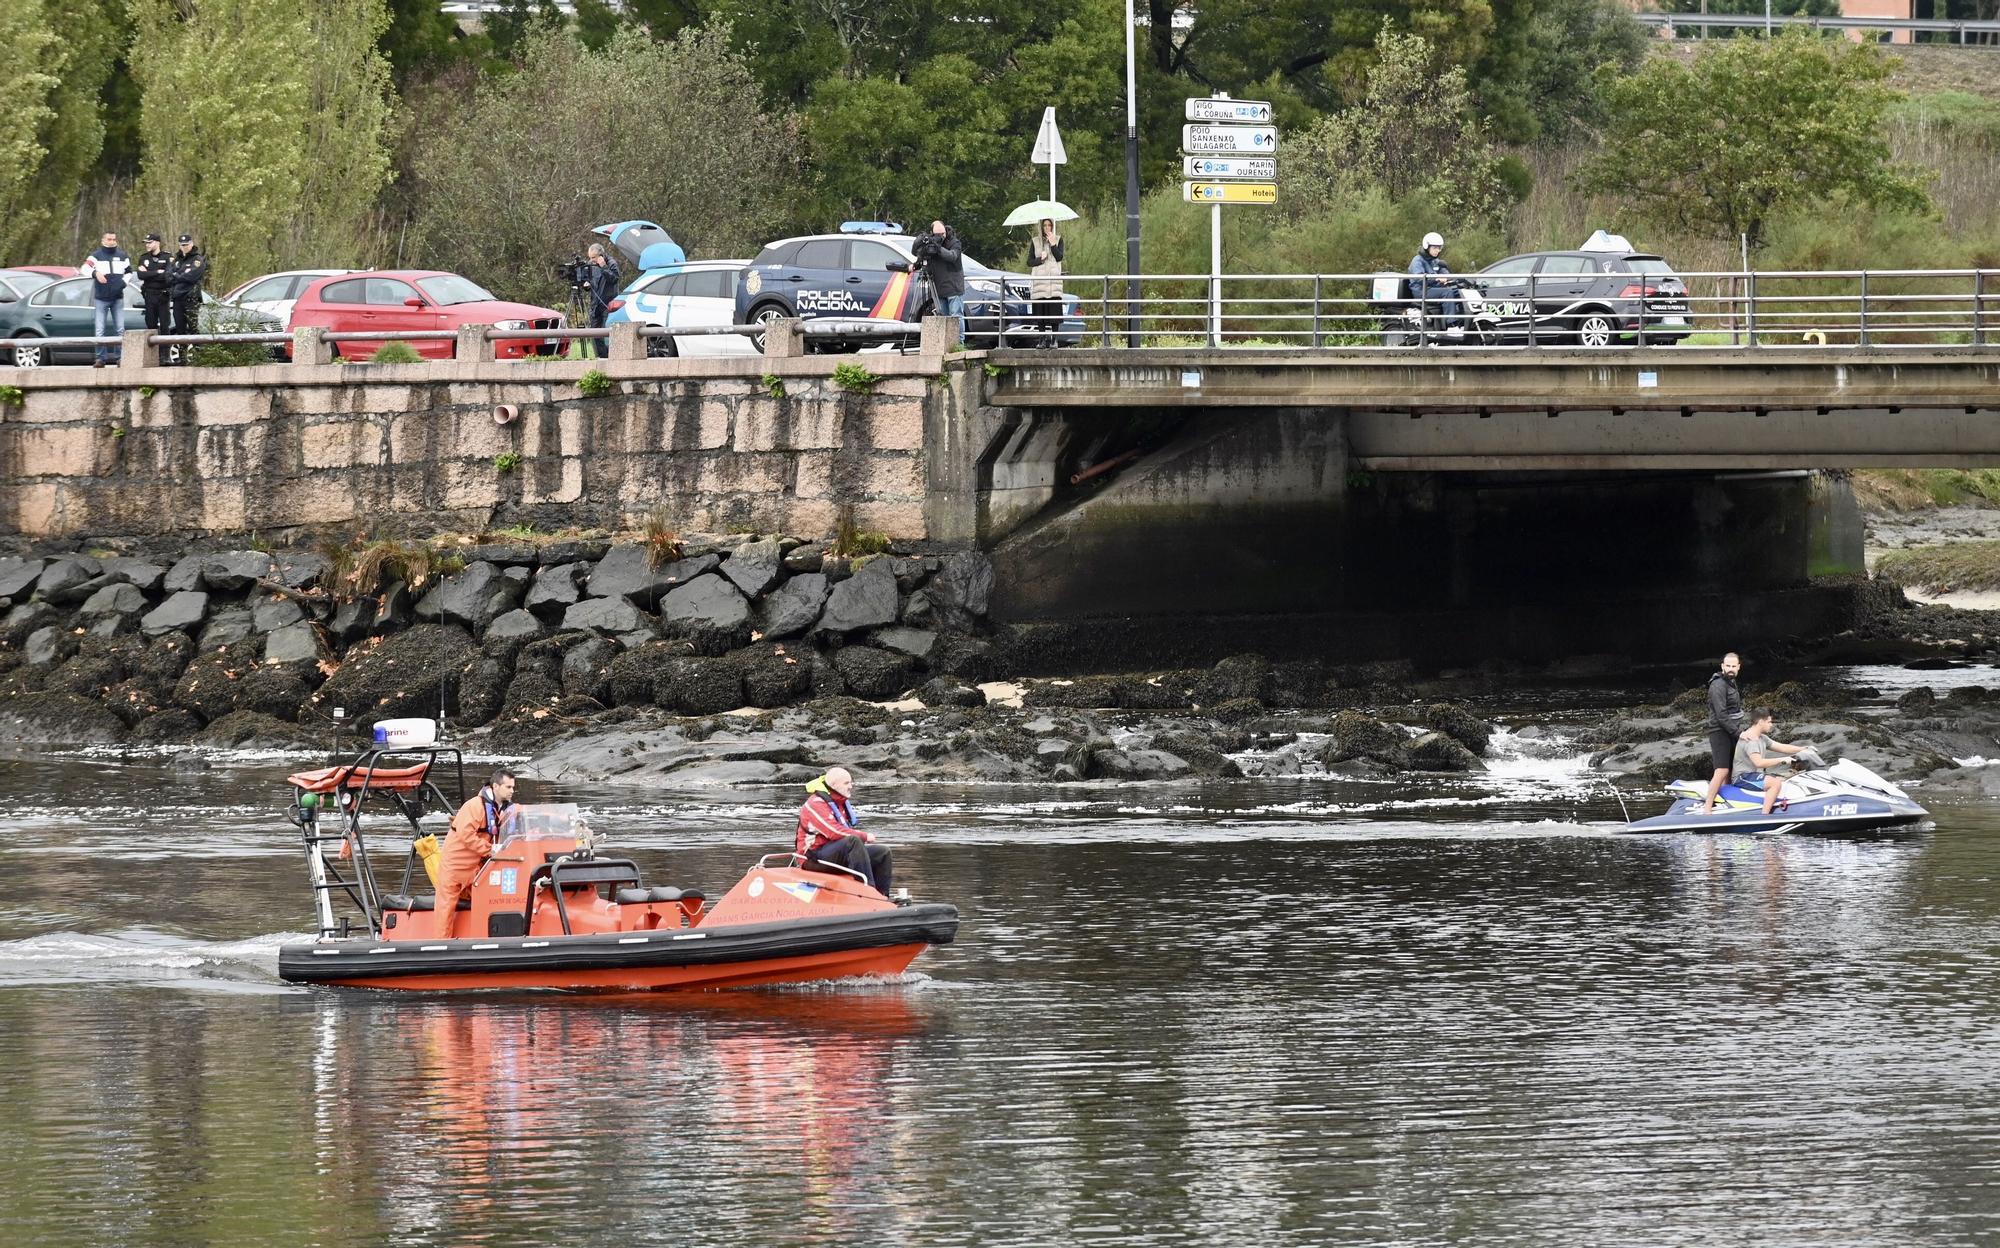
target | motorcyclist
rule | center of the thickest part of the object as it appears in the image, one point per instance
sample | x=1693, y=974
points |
x=1431, y=282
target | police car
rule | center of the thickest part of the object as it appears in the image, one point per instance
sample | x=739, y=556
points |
x=864, y=274
x=696, y=294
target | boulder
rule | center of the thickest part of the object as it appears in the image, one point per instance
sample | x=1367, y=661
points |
x=482, y=686
x=917, y=610
x=708, y=611
x=806, y=558
x=698, y=685
x=628, y=573
x=170, y=725
x=1238, y=676
x=755, y=566
x=793, y=608
x=162, y=662
x=297, y=642
x=865, y=600
x=773, y=675
x=402, y=675
x=209, y=685
x=296, y=569
x=272, y=614
x=24, y=619
x=114, y=625
x=1356, y=735
x=352, y=620
x=631, y=675
x=1460, y=725
x=516, y=624
x=120, y=599
x=180, y=613
x=137, y=572
x=915, y=642
x=235, y=570
x=575, y=550
x=530, y=694
x=95, y=667
x=59, y=719
x=944, y=691
x=132, y=701
x=503, y=554
x=586, y=669
x=1111, y=763
x=185, y=575
x=466, y=597
x=253, y=730
x=46, y=647
x=605, y=615
x=227, y=628
x=395, y=609
x=555, y=589
x=63, y=582
x=1435, y=751
x=18, y=575
x=876, y=675
x=961, y=591
x=968, y=658
x=276, y=689
x=913, y=570
x=1200, y=754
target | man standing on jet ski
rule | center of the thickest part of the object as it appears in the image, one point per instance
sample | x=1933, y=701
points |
x=1757, y=757
x=1725, y=724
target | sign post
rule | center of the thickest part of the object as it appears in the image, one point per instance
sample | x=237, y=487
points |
x=1049, y=147
x=1229, y=155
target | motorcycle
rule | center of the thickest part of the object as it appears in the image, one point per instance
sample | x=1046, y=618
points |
x=1404, y=321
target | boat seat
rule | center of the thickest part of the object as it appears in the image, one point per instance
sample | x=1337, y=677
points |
x=644, y=896
x=418, y=901
x=632, y=896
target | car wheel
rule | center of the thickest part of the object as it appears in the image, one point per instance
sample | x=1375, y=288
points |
x=766, y=314
x=27, y=354
x=662, y=349
x=1594, y=329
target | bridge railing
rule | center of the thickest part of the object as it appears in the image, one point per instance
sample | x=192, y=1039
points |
x=1941, y=308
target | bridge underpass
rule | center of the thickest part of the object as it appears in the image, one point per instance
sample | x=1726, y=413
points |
x=1461, y=505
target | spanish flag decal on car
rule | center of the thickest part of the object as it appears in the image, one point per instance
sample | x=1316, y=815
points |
x=890, y=306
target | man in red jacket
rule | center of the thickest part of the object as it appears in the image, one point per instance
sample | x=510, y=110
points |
x=478, y=824
x=828, y=836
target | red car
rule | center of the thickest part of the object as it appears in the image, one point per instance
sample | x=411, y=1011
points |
x=57, y=271
x=404, y=299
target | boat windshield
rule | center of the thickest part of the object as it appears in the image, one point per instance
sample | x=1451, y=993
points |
x=546, y=820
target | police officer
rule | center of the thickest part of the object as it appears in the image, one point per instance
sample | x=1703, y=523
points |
x=185, y=275
x=153, y=269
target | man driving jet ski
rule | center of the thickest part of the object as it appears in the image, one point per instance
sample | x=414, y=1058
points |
x=1758, y=757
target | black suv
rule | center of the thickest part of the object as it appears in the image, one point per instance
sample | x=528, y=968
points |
x=1600, y=294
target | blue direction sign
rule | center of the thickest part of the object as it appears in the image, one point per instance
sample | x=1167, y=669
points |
x=1211, y=168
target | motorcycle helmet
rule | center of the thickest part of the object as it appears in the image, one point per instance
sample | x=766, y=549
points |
x=1433, y=239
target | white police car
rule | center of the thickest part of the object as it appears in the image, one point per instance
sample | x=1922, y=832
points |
x=698, y=294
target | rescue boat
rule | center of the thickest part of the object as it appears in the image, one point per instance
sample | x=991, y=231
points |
x=549, y=911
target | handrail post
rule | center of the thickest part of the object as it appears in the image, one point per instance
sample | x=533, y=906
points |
x=1534, y=338
x=1978, y=307
x=1864, y=307
x=1750, y=307
x=1317, y=288
x=1104, y=314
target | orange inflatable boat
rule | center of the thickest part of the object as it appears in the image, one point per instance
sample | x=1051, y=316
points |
x=549, y=911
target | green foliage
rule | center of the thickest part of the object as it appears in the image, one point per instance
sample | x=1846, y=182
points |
x=117, y=431
x=147, y=392
x=598, y=125
x=850, y=542
x=420, y=37
x=1959, y=566
x=222, y=319
x=1552, y=91
x=1908, y=489
x=595, y=384
x=506, y=461
x=11, y=396
x=1719, y=145
x=280, y=159
x=1413, y=135
x=854, y=378
x=396, y=353
x=773, y=385
x=992, y=369
x=60, y=55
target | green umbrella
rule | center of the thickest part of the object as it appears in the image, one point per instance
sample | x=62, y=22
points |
x=1028, y=214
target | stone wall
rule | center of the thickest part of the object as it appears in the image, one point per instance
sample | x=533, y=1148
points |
x=395, y=453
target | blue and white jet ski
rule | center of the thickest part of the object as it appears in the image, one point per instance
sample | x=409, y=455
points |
x=1838, y=799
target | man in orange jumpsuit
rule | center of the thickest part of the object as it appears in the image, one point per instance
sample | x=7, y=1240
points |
x=474, y=829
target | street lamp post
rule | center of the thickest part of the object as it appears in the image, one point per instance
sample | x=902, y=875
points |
x=1131, y=184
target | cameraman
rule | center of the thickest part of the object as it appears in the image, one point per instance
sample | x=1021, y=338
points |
x=602, y=276
x=944, y=262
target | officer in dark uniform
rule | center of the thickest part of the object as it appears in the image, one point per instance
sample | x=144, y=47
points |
x=186, y=273
x=152, y=268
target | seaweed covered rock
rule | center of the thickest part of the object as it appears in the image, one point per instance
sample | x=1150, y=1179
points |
x=1356, y=735
x=1460, y=725
x=401, y=675
x=698, y=685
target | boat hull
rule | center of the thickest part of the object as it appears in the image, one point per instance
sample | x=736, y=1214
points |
x=879, y=942
x=1844, y=816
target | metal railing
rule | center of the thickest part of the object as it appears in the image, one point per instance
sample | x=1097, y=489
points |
x=1985, y=33
x=1932, y=309
x=1952, y=308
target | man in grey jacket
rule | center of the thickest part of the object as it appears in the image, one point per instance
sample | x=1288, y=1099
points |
x=1725, y=724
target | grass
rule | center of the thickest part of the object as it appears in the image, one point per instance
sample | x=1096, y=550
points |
x=1914, y=489
x=506, y=461
x=594, y=384
x=850, y=542
x=1943, y=569
x=395, y=353
x=11, y=396
x=854, y=378
x=773, y=385
x=663, y=541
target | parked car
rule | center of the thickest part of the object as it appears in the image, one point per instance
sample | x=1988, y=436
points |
x=697, y=294
x=643, y=246
x=63, y=310
x=420, y=299
x=1602, y=293
x=864, y=274
x=17, y=284
x=275, y=293
x=54, y=272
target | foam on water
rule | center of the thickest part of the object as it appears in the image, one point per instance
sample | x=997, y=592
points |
x=141, y=956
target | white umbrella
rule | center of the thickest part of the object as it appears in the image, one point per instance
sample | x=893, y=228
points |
x=1029, y=214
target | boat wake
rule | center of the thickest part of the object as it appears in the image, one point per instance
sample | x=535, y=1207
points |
x=143, y=957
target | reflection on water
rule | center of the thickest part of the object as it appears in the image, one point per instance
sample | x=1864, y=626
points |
x=1271, y=1012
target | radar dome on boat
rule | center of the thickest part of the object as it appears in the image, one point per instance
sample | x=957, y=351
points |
x=406, y=732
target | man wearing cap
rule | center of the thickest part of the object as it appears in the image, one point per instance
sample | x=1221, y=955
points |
x=828, y=837
x=185, y=275
x=152, y=268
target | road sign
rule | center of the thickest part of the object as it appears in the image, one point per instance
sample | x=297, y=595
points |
x=1229, y=110
x=1229, y=140
x=1048, y=143
x=1209, y=168
x=1229, y=192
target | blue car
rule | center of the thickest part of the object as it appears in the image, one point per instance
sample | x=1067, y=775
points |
x=864, y=274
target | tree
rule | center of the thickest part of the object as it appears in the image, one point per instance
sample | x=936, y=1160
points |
x=51, y=114
x=1716, y=146
x=1550, y=89
x=420, y=38
x=675, y=132
x=281, y=158
x=35, y=58
x=1413, y=135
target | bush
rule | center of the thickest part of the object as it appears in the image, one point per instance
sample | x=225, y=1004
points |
x=854, y=378
x=594, y=384
x=395, y=353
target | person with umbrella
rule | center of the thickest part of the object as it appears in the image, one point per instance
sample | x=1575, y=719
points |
x=1045, y=259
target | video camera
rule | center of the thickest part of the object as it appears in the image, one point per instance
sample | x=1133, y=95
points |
x=575, y=270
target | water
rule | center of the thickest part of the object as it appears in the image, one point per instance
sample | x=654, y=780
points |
x=1258, y=1012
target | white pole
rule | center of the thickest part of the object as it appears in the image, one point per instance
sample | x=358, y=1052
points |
x=1052, y=179
x=1215, y=278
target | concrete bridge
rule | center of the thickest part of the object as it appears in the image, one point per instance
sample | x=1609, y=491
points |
x=1457, y=504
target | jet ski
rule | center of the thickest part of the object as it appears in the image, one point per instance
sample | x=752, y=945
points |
x=549, y=910
x=1836, y=799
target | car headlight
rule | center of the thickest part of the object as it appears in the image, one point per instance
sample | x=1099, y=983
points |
x=511, y=325
x=984, y=286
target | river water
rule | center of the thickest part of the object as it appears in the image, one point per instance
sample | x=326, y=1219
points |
x=1251, y=1012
